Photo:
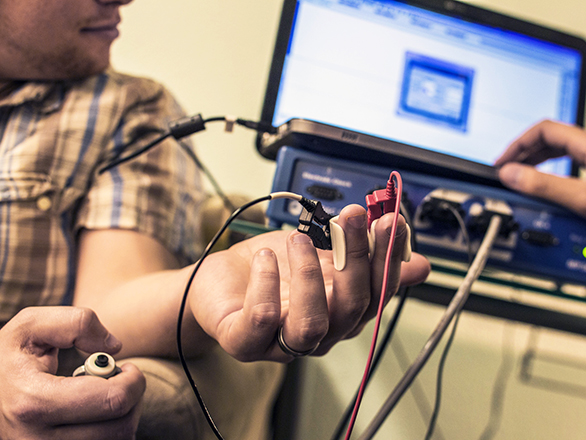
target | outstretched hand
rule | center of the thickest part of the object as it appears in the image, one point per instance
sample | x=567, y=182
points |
x=242, y=296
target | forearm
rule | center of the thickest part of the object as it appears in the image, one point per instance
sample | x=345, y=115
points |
x=135, y=285
x=143, y=314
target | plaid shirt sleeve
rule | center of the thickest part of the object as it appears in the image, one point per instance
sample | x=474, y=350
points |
x=158, y=193
x=54, y=139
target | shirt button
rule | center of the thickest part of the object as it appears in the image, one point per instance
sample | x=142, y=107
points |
x=44, y=203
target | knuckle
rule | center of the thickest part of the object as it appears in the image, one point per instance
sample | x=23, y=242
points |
x=266, y=274
x=355, y=310
x=310, y=271
x=357, y=253
x=85, y=317
x=117, y=402
x=313, y=329
x=264, y=315
x=355, y=331
x=266, y=278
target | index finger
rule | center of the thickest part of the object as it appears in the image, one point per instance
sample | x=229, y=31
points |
x=38, y=329
x=546, y=140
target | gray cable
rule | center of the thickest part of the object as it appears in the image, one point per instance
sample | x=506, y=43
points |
x=440, y=371
x=456, y=304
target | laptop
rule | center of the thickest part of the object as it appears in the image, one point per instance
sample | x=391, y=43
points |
x=428, y=85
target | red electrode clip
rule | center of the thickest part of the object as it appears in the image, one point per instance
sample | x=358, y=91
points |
x=381, y=202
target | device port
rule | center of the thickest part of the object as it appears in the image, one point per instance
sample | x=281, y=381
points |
x=327, y=193
x=442, y=211
x=479, y=224
x=540, y=238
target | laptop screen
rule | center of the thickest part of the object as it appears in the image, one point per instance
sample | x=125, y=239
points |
x=422, y=73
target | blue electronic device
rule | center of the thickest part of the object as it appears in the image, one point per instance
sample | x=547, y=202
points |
x=537, y=239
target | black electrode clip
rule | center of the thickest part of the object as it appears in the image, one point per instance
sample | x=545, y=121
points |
x=315, y=222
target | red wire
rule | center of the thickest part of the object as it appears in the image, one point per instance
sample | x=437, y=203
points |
x=399, y=191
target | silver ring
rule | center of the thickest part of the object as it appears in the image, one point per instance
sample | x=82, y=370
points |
x=288, y=350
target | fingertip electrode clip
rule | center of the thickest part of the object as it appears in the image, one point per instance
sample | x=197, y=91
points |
x=407, y=249
x=338, y=244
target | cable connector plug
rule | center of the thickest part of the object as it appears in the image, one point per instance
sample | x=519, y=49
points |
x=381, y=202
x=186, y=126
x=262, y=127
x=479, y=217
x=315, y=222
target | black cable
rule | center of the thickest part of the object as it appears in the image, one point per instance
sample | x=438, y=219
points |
x=463, y=229
x=498, y=391
x=178, y=129
x=196, y=267
x=343, y=423
x=185, y=127
x=117, y=161
x=442, y=362
x=440, y=373
x=417, y=390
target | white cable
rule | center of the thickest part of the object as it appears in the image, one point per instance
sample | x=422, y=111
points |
x=285, y=195
x=456, y=304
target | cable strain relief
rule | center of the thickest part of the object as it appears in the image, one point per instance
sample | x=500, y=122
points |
x=260, y=126
x=308, y=204
x=391, y=189
x=186, y=126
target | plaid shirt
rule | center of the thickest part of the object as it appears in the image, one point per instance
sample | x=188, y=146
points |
x=54, y=137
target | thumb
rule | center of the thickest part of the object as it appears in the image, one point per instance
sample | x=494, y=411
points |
x=568, y=192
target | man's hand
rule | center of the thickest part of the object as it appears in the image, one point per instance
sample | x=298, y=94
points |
x=36, y=404
x=543, y=141
x=242, y=296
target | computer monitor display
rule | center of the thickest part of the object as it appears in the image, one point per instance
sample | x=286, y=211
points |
x=438, y=75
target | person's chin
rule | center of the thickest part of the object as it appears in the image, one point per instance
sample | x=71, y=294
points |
x=85, y=69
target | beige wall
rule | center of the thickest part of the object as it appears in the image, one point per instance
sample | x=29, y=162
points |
x=214, y=56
